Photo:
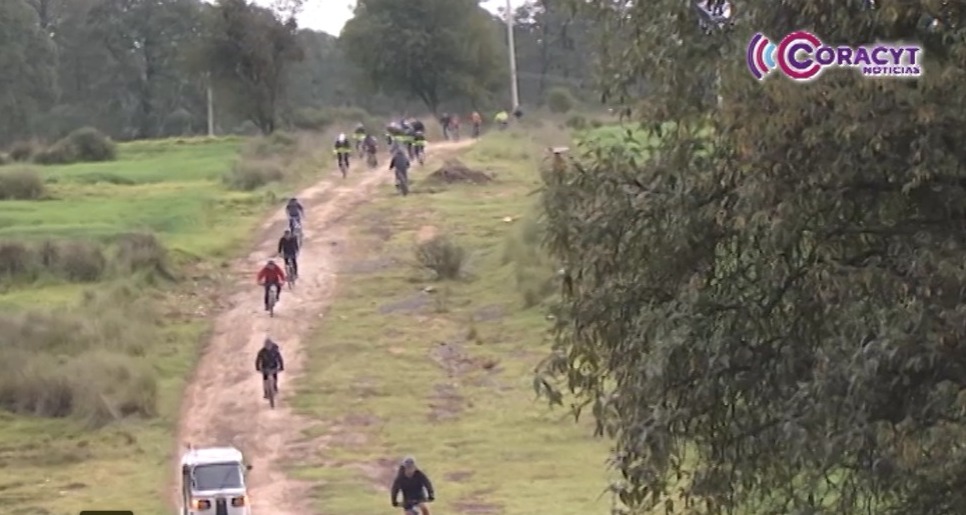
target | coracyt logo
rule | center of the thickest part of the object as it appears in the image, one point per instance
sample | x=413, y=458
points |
x=802, y=57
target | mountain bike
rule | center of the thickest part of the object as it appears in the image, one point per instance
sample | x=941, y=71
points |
x=412, y=507
x=272, y=299
x=402, y=182
x=420, y=151
x=296, y=226
x=270, y=386
x=290, y=273
x=343, y=164
x=371, y=159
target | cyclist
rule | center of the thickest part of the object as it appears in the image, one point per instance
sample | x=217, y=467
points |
x=288, y=248
x=400, y=164
x=370, y=147
x=295, y=212
x=359, y=135
x=477, y=121
x=444, y=122
x=454, y=127
x=269, y=358
x=417, y=125
x=415, y=486
x=342, y=150
x=405, y=138
x=392, y=130
x=271, y=276
x=419, y=145
x=502, y=118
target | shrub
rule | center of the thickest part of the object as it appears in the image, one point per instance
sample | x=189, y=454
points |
x=5, y=159
x=249, y=175
x=80, y=262
x=142, y=252
x=560, y=100
x=22, y=151
x=533, y=269
x=91, y=145
x=441, y=255
x=60, y=153
x=577, y=122
x=21, y=184
x=17, y=261
x=311, y=119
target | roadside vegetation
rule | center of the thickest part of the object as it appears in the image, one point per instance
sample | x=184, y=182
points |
x=108, y=271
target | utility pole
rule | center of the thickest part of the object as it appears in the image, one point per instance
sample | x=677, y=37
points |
x=514, y=86
x=211, y=107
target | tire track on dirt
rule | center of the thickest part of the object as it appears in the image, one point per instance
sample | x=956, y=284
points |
x=223, y=403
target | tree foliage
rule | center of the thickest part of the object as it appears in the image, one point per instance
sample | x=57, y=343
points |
x=28, y=63
x=430, y=49
x=765, y=309
x=250, y=50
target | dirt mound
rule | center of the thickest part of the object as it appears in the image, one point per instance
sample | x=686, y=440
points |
x=454, y=171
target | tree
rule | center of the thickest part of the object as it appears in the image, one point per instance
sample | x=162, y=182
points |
x=250, y=49
x=28, y=59
x=429, y=49
x=765, y=311
x=147, y=41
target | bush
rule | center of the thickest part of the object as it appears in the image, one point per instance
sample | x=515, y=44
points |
x=22, y=184
x=560, y=100
x=5, y=159
x=441, y=255
x=533, y=269
x=91, y=145
x=249, y=175
x=577, y=122
x=142, y=252
x=81, y=362
x=22, y=151
x=17, y=261
x=60, y=153
x=311, y=119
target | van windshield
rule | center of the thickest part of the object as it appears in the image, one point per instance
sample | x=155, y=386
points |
x=217, y=476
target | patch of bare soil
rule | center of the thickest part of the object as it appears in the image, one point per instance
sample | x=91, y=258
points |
x=454, y=171
x=474, y=504
x=446, y=402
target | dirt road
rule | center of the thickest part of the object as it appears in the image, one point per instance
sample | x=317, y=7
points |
x=223, y=404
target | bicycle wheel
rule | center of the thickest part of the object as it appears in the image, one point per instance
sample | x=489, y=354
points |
x=272, y=298
x=290, y=276
x=270, y=392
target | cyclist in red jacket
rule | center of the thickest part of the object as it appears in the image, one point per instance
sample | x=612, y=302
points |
x=271, y=275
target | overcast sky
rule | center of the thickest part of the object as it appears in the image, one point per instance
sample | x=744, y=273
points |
x=330, y=15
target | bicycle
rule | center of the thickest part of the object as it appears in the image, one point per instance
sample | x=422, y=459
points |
x=402, y=182
x=371, y=159
x=272, y=299
x=412, y=507
x=343, y=164
x=270, y=386
x=290, y=273
x=296, y=226
x=420, y=151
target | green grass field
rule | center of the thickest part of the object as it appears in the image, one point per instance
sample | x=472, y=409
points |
x=174, y=189
x=447, y=375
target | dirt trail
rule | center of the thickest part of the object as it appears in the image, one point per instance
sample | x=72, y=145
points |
x=223, y=404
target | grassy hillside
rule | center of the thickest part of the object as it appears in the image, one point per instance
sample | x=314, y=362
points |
x=106, y=279
x=442, y=369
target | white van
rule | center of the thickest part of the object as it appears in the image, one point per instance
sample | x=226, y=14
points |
x=213, y=482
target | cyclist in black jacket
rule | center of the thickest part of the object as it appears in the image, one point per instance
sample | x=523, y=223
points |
x=288, y=248
x=416, y=488
x=269, y=361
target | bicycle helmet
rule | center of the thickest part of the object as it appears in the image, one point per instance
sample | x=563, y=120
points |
x=271, y=262
x=342, y=137
x=408, y=461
